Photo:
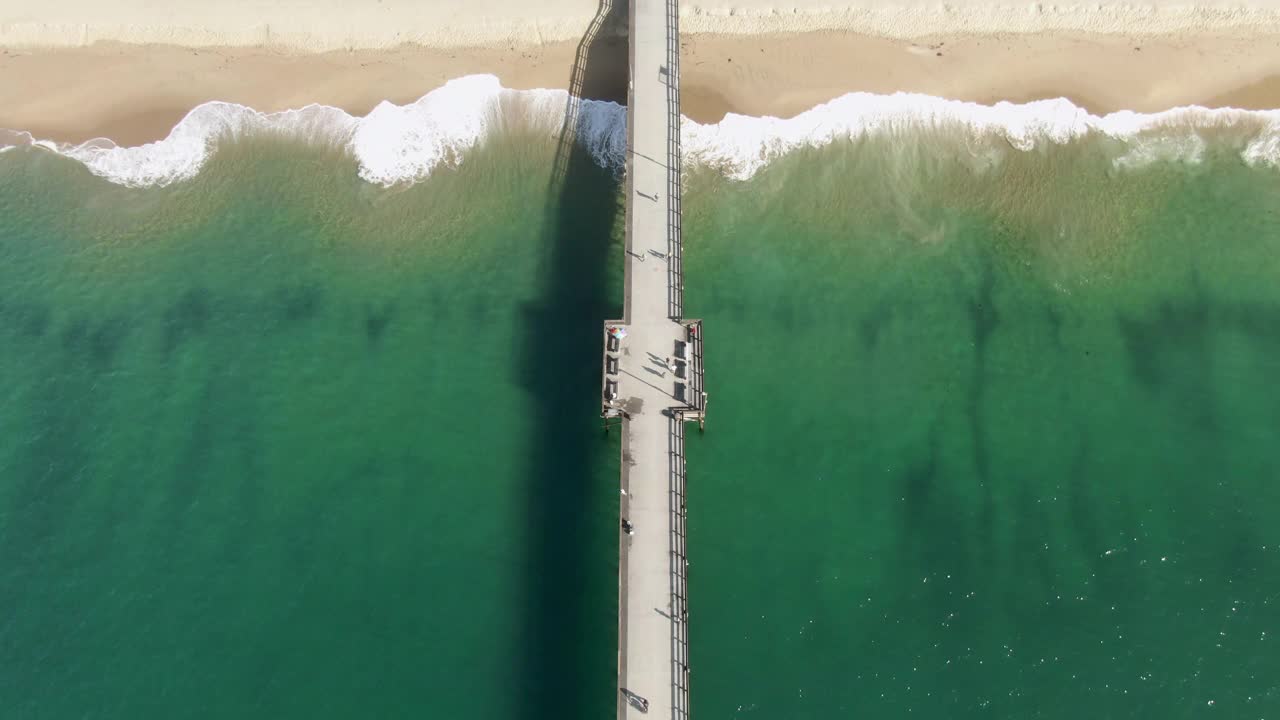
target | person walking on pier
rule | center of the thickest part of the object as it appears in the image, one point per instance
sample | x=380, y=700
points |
x=635, y=700
x=627, y=527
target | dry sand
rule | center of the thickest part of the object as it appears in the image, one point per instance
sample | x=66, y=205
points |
x=319, y=25
x=71, y=85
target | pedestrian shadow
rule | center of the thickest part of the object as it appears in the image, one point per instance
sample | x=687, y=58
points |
x=568, y=664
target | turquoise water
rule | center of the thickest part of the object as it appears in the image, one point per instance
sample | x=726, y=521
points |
x=987, y=446
x=982, y=443
x=273, y=450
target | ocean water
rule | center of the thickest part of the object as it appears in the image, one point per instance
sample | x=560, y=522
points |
x=987, y=445
x=301, y=425
x=283, y=444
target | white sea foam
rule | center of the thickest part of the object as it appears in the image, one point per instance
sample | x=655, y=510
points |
x=405, y=143
x=392, y=144
x=741, y=145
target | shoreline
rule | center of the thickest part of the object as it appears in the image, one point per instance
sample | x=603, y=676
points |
x=135, y=94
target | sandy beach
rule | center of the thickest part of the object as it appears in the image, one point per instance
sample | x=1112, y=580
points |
x=71, y=71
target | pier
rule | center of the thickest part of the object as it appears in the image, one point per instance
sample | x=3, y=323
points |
x=652, y=382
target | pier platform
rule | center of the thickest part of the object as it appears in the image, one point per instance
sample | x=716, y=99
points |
x=652, y=383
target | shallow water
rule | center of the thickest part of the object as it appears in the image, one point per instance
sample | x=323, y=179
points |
x=990, y=434
x=997, y=446
x=271, y=450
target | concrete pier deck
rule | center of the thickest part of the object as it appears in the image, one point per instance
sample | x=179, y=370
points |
x=652, y=382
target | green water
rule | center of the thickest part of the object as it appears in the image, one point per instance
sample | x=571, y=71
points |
x=982, y=443
x=277, y=445
x=995, y=445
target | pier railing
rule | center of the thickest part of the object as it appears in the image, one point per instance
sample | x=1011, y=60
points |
x=679, y=573
x=697, y=400
x=675, y=261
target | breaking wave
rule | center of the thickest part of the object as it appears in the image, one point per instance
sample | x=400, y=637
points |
x=397, y=144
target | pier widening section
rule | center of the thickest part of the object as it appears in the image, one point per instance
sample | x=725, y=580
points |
x=652, y=382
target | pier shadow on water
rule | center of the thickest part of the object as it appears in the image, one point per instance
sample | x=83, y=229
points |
x=569, y=658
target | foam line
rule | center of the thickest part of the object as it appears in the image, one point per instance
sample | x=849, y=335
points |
x=396, y=144
x=741, y=145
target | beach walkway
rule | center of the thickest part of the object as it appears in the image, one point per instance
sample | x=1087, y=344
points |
x=652, y=382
